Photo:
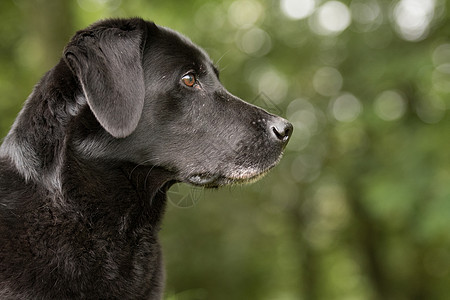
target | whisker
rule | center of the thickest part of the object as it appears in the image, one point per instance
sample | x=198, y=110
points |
x=137, y=166
x=226, y=52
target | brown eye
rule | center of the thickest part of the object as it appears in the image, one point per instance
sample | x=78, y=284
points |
x=189, y=80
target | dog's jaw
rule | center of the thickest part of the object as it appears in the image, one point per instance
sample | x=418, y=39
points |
x=238, y=176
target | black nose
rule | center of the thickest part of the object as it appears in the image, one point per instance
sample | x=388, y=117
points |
x=281, y=130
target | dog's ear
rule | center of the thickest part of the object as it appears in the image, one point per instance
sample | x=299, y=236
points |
x=107, y=59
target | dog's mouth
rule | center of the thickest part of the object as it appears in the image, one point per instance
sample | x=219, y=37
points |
x=216, y=180
x=203, y=179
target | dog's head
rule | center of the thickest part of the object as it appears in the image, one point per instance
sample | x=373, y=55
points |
x=159, y=101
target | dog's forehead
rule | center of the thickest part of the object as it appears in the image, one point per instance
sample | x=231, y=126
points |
x=176, y=44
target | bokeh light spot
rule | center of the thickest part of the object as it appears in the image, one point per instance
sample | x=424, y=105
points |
x=390, y=105
x=431, y=110
x=255, y=41
x=366, y=14
x=413, y=17
x=346, y=108
x=441, y=78
x=441, y=55
x=300, y=139
x=245, y=13
x=273, y=84
x=209, y=17
x=297, y=9
x=331, y=18
x=327, y=81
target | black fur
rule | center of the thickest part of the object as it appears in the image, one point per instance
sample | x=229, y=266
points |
x=85, y=168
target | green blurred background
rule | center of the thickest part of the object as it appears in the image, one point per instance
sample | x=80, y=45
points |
x=359, y=207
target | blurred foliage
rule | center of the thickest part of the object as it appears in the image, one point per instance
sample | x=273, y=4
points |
x=359, y=207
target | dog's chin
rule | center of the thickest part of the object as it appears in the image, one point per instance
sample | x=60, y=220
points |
x=209, y=180
x=235, y=175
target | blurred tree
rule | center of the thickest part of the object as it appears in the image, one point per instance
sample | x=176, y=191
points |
x=49, y=27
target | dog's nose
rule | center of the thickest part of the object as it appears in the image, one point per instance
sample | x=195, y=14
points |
x=281, y=130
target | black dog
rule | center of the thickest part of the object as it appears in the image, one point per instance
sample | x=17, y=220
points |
x=129, y=110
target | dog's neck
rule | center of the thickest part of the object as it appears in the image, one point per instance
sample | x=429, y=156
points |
x=135, y=195
x=37, y=139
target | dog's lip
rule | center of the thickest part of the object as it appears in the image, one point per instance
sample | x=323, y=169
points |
x=216, y=180
x=203, y=179
x=240, y=176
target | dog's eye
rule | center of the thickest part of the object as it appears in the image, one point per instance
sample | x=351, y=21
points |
x=189, y=79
